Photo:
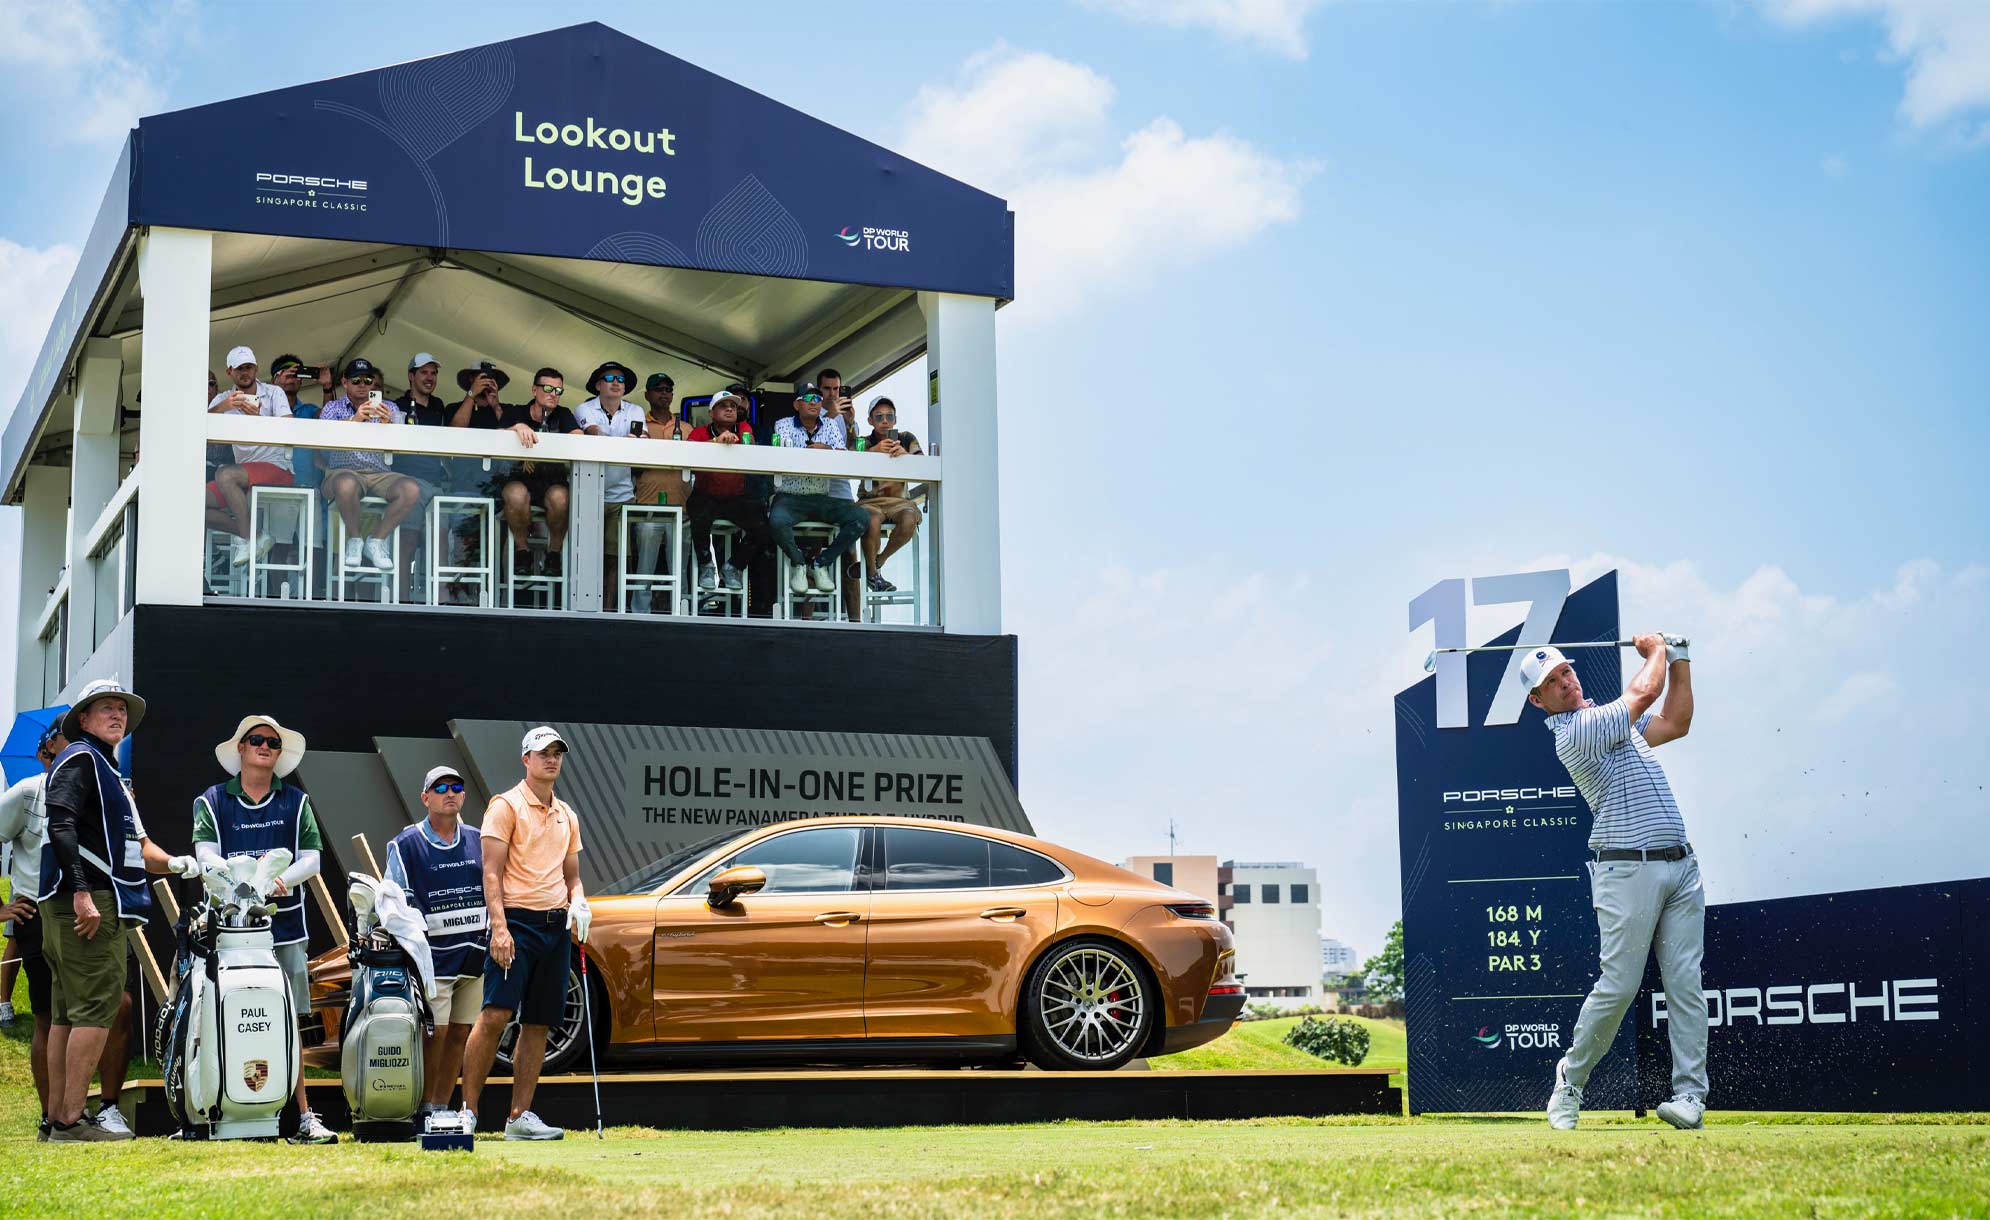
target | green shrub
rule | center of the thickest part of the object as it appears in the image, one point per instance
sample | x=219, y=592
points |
x=1330, y=1038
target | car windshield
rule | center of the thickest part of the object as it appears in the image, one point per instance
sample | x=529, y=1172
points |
x=657, y=871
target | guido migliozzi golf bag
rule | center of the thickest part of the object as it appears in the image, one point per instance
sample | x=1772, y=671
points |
x=227, y=1040
x=380, y=1043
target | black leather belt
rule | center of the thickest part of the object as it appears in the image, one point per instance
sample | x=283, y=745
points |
x=555, y=918
x=1608, y=854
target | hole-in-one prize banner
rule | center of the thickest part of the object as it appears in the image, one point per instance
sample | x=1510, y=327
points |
x=1499, y=940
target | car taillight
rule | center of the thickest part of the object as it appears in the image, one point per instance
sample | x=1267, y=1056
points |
x=1193, y=910
x=1226, y=989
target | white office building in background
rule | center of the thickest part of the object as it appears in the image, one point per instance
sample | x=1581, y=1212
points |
x=1275, y=912
x=1338, y=957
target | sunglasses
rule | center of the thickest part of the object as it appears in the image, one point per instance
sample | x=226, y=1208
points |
x=617, y=378
x=441, y=787
x=258, y=739
x=360, y=380
x=809, y=398
x=890, y=417
x=554, y=390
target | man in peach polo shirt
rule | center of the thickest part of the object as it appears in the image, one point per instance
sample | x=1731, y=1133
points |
x=532, y=891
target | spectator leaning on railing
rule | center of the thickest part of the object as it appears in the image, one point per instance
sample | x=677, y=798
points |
x=724, y=493
x=352, y=474
x=800, y=498
x=527, y=483
x=422, y=405
x=254, y=465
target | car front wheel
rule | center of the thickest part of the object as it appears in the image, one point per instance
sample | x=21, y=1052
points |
x=566, y=1042
x=1087, y=1006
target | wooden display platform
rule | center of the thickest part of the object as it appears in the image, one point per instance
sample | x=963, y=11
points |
x=735, y=1100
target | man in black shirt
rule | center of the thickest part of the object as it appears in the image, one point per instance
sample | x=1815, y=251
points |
x=527, y=484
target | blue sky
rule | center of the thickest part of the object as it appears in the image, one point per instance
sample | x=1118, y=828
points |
x=1320, y=303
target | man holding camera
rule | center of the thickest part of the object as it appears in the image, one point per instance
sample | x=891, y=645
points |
x=724, y=493
x=254, y=465
x=886, y=501
x=352, y=474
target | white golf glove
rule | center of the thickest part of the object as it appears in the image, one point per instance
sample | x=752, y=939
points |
x=579, y=916
x=185, y=866
x=1675, y=649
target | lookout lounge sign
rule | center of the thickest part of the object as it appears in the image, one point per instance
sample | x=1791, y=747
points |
x=633, y=189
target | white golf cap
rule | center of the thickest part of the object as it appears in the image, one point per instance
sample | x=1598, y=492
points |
x=436, y=773
x=722, y=395
x=1538, y=664
x=420, y=358
x=239, y=356
x=539, y=738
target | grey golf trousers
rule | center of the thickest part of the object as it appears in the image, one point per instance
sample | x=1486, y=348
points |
x=1642, y=906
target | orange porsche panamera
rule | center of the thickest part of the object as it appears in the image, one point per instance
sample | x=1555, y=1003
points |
x=888, y=939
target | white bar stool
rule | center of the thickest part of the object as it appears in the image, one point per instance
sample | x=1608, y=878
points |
x=719, y=602
x=658, y=530
x=280, y=513
x=550, y=589
x=783, y=573
x=388, y=584
x=443, y=513
x=909, y=594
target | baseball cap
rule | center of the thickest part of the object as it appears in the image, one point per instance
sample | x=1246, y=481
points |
x=659, y=379
x=806, y=389
x=420, y=358
x=539, y=738
x=239, y=356
x=1538, y=664
x=360, y=364
x=722, y=396
x=436, y=773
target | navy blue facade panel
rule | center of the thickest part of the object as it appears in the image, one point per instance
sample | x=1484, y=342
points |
x=581, y=143
x=100, y=250
x=1871, y=1000
x=1499, y=938
x=343, y=678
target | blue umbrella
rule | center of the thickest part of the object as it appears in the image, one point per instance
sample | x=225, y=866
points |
x=17, y=753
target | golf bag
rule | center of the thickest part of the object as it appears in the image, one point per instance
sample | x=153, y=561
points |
x=380, y=1043
x=227, y=1039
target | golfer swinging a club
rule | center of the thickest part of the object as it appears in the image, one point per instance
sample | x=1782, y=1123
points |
x=1643, y=878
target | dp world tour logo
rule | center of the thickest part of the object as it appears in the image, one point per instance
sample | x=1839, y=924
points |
x=888, y=241
x=1487, y=1038
x=1531, y=1037
x=848, y=236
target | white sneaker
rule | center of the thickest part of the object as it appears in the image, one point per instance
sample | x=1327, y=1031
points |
x=469, y=1120
x=1685, y=1112
x=352, y=554
x=528, y=1127
x=1565, y=1103
x=312, y=1130
x=238, y=552
x=823, y=578
x=263, y=547
x=378, y=555
x=111, y=1121
x=798, y=578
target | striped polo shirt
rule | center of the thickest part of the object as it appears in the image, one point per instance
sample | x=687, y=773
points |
x=1613, y=767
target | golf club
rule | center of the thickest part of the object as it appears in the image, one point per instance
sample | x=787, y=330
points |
x=587, y=1015
x=1430, y=662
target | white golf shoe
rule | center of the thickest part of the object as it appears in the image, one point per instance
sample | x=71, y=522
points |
x=111, y=1120
x=1685, y=1112
x=352, y=553
x=528, y=1126
x=823, y=579
x=378, y=555
x=1565, y=1103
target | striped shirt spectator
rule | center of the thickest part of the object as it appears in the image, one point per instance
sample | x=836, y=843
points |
x=1613, y=767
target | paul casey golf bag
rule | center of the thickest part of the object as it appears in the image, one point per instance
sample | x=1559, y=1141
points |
x=227, y=1039
x=380, y=1043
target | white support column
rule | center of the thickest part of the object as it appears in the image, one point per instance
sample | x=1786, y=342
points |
x=960, y=348
x=175, y=276
x=44, y=508
x=93, y=481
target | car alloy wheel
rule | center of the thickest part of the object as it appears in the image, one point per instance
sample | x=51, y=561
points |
x=566, y=1042
x=1090, y=1007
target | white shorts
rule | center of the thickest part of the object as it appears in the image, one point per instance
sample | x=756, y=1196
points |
x=460, y=1002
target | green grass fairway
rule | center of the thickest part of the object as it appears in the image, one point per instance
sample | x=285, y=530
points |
x=1259, y=1044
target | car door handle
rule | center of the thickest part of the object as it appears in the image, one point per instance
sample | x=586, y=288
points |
x=1005, y=914
x=838, y=919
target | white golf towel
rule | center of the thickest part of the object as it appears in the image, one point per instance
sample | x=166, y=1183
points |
x=399, y=917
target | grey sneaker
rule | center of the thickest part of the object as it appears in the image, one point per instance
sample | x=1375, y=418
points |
x=1565, y=1103
x=1685, y=1112
x=111, y=1119
x=312, y=1130
x=734, y=578
x=708, y=578
x=527, y=1126
x=83, y=1132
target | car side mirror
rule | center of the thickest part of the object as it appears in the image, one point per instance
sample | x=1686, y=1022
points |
x=729, y=884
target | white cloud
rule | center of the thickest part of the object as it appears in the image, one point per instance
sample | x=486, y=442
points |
x=35, y=278
x=71, y=48
x=1835, y=744
x=1272, y=25
x=1034, y=129
x=1945, y=43
x=1834, y=166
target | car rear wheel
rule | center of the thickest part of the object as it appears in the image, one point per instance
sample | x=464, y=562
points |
x=1087, y=1006
x=566, y=1042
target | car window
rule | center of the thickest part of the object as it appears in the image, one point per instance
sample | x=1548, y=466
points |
x=1009, y=865
x=934, y=860
x=820, y=861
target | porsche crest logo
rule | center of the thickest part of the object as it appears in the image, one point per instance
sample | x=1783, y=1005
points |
x=255, y=1074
